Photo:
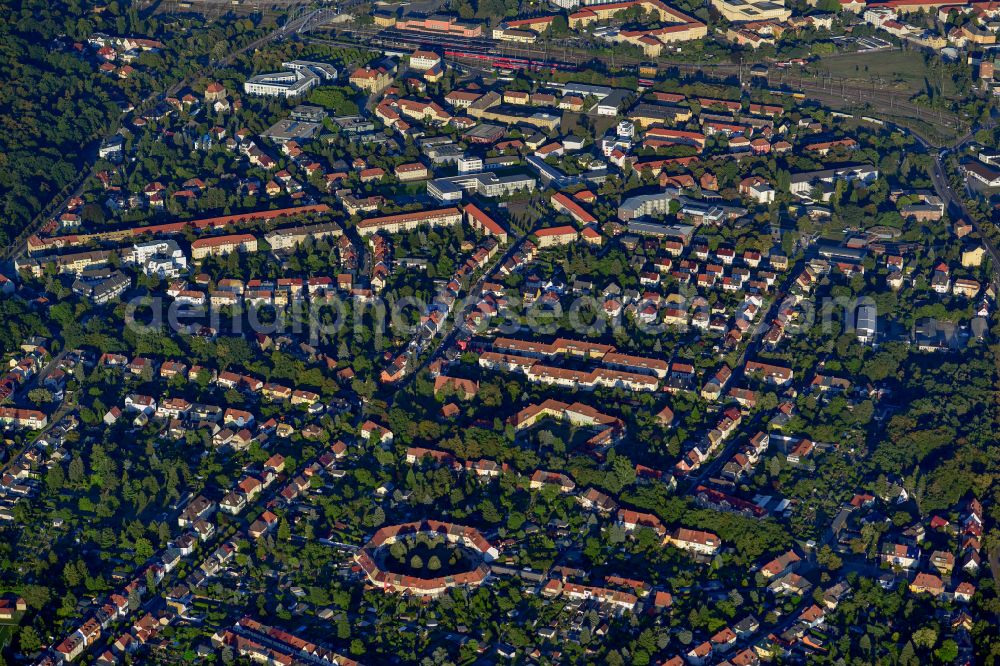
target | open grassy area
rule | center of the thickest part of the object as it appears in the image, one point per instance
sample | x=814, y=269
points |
x=428, y=558
x=936, y=134
x=904, y=71
x=6, y=634
x=937, y=127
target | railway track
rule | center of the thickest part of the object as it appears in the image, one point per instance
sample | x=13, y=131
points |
x=836, y=93
x=561, y=55
x=484, y=52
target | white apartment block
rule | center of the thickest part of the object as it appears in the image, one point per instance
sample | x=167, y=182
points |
x=646, y=204
x=161, y=258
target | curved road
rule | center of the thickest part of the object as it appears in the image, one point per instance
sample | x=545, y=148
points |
x=953, y=200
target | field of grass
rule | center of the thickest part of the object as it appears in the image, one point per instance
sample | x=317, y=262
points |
x=6, y=634
x=904, y=75
x=936, y=133
x=904, y=71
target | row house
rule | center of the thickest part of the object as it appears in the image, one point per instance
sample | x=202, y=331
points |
x=198, y=508
x=725, y=502
x=632, y=520
x=617, y=599
x=171, y=369
x=746, y=398
x=542, y=478
x=30, y=419
x=694, y=541
x=712, y=390
x=593, y=499
x=781, y=564
x=486, y=469
x=746, y=457
x=726, y=425
x=772, y=374
x=900, y=555
x=800, y=451
x=417, y=454
x=172, y=408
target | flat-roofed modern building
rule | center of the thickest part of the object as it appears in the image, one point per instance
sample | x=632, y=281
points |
x=866, y=324
x=487, y=184
x=646, y=204
x=643, y=228
x=804, y=184
x=741, y=11
x=298, y=78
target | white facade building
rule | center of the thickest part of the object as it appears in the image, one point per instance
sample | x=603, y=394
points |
x=646, y=204
x=299, y=77
x=162, y=258
x=866, y=325
x=486, y=184
x=469, y=164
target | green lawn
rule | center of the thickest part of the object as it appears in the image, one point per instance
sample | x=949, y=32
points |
x=6, y=633
x=902, y=70
x=936, y=134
